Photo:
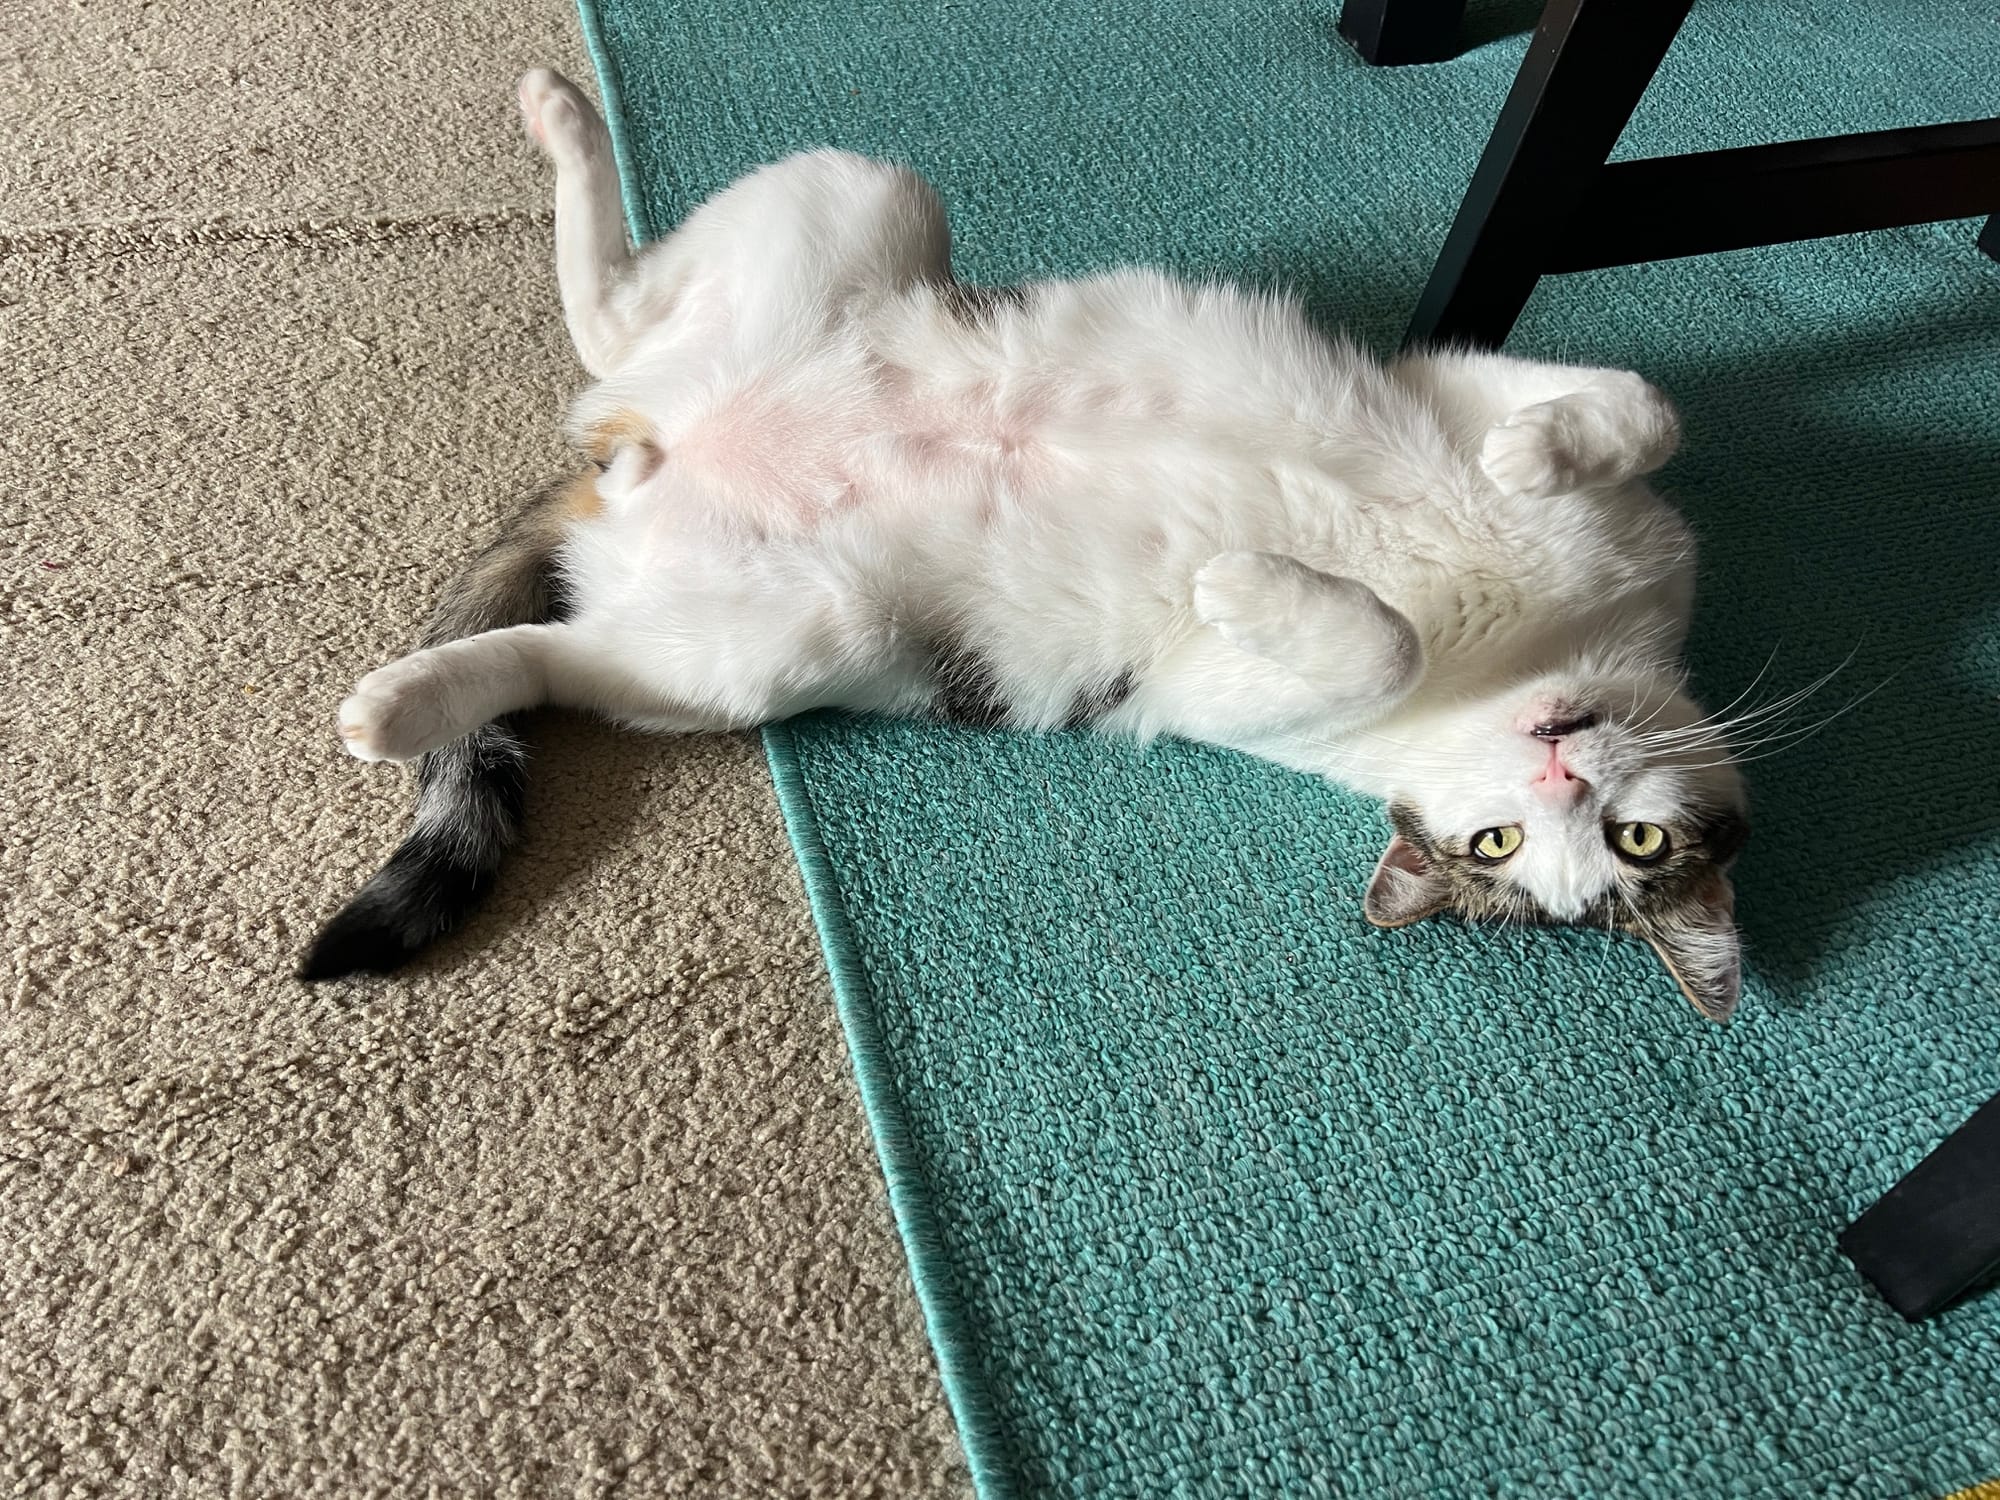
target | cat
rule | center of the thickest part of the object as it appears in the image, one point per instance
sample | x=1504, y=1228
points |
x=827, y=474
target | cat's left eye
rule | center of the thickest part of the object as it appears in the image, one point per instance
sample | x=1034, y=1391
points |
x=1641, y=841
x=1495, y=844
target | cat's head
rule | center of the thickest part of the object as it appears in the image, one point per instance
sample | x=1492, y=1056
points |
x=1602, y=799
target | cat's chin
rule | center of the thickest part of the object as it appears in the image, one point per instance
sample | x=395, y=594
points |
x=1552, y=715
x=1560, y=705
x=1621, y=739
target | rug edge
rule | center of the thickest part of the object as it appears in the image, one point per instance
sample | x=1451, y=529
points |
x=909, y=1190
x=611, y=100
x=909, y=1193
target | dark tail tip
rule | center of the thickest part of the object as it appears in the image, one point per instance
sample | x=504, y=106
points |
x=355, y=942
x=471, y=794
x=469, y=798
x=421, y=894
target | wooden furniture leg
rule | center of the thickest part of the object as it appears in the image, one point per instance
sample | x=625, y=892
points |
x=1935, y=1235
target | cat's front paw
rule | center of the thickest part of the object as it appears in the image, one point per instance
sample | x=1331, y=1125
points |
x=396, y=712
x=1533, y=453
x=557, y=114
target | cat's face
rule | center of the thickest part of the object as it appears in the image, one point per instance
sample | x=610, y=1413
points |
x=1595, y=799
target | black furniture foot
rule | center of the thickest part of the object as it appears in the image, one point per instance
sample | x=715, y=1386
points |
x=1936, y=1234
x=1390, y=33
x=1989, y=237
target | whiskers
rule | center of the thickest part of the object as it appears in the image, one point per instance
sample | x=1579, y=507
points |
x=1757, y=723
x=1764, y=729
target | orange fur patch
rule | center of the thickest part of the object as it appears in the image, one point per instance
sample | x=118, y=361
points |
x=579, y=498
x=615, y=431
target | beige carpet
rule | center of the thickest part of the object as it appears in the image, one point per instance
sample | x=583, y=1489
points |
x=586, y=1205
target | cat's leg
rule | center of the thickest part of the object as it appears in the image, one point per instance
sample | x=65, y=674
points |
x=1543, y=429
x=435, y=696
x=792, y=245
x=592, y=257
x=794, y=239
x=1286, y=646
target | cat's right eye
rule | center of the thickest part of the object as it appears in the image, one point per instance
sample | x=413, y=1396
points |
x=1495, y=844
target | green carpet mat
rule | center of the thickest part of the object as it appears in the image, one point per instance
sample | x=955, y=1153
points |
x=1211, y=1189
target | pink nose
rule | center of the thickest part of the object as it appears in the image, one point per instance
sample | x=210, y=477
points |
x=1558, y=784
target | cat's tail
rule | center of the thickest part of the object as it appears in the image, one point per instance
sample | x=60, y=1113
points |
x=470, y=794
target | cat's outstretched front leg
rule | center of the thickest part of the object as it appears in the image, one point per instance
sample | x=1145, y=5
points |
x=432, y=697
x=1285, y=645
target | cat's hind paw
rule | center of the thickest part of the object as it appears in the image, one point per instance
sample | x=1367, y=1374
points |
x=397, y=712
x=557, y=114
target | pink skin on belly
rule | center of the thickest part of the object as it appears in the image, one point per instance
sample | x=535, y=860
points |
x=769, y=456
x=782, y=463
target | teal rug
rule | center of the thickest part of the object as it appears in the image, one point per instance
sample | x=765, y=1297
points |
x=1207, y=1187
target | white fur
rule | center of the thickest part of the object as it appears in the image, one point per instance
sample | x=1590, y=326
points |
x=1380, y=575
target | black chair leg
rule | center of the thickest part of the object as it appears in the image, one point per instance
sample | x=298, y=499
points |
x=1392, y=32
x=1583, y=75
x=1989, y=237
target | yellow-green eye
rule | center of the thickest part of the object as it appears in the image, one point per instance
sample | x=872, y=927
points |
x=1647, y=841
x=1496, y=843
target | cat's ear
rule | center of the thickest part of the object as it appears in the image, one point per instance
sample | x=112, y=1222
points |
x=1405, y=888
x=1697, y=938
